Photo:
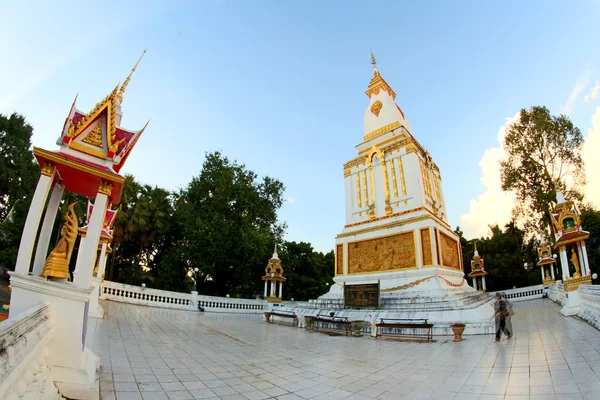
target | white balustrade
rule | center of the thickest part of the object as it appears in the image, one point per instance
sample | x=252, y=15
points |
x=24, y=373
x=521, y=294
x=183, y=301
x=590, y=304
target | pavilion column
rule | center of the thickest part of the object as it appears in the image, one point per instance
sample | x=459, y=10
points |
x=273, y=283
x=582, y=263
x=280, y=290
x=266, y=286
x=483, y=283
x=102, y=263
x=33, y=219
x=542, y=269
x=86, y=260
x=564, y=263
x=46, y=232
x=585, y=258
x=475, y=283
x=552, y=270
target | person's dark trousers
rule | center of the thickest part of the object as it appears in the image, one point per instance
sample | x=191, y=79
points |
x=502, y=328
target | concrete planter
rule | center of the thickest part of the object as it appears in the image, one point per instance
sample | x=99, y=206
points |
x=458, y=330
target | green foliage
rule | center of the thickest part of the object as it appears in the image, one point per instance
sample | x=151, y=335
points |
x=18, y=177
x=504, y=254
x=590, y=221
x=307, y=271
x=542, y=151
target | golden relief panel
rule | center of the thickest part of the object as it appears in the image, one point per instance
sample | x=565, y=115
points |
x=426, y=247
x=376, y=108
x=382, y=254
x=449, y=251
x=339, y=261
x=94, y=137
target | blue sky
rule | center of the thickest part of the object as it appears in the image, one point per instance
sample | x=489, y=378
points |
x=279, y=86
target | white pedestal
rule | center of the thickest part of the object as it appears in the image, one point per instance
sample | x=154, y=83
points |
x=572, y=304
x=96, y=310
x=74, y=369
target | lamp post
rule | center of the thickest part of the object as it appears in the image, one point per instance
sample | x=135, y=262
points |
x=195, y=278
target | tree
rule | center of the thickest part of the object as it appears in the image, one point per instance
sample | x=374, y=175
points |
x=590, y=221
x=18, y=176
x=544, y=157
x=230, y=225
x=308, y=273
x=18, y=170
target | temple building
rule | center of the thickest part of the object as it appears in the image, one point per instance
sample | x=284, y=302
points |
x=397, y=235
x=546, y=262
x=274, y=279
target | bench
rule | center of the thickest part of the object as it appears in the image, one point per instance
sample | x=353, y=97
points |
x=325, y=323
x=285, y=314
x=404, y=324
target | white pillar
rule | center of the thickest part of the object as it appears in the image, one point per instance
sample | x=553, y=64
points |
x=102, y=261
x=434, y=255
x=542, y=269
x=582, y=265
x=33, y=222
x=552, y=270
x=86, y=260
x=475, y=283
x=585, y=258
x=281, y=290
x=266, y=283
x=273, y=283
x=564, y=263
x=483, y=282
x=46, y=232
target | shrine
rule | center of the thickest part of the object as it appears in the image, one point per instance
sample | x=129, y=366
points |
x=397, y=235
x=478, y=272
x=570, y=242
x=93, y=148
x=546, y=262
x=273, y=279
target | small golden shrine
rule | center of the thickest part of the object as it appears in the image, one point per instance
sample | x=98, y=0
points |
x=546, y=262
x=478, y=272
x=570, y=241
x=273, y=278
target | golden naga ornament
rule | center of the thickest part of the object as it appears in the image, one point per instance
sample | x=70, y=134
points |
x=57, y=263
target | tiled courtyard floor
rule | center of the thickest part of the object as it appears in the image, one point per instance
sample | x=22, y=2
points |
x=152, y=353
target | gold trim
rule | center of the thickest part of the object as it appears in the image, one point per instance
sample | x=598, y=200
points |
x=346, y=172
x=402, y=176
x=389, y=145
x=394, y=183
x=382, y=162
x=376, y=108
x=105, y=188
x=383, y=130
x=100, y=153
x=358, y=190
x=95, y=136
x=437, y=185
x=80, y=167
x=571, y=285
x=47, y=169
x=418, y=281
x=366, y=187
x=372, y=176
x=423, y=265
x=426, y=180
x=381, y=227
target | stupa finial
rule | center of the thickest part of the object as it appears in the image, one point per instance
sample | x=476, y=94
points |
x=124, y=86
x=374, y=62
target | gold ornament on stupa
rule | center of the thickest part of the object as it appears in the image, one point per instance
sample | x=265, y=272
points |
x=57, y=263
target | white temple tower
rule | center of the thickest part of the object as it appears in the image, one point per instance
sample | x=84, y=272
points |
x=397, y=233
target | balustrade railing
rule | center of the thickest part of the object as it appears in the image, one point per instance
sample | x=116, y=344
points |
x=521, y=294
x=183, y=301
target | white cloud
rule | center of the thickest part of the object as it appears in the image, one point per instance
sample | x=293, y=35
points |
x=592, y=161
x=493, y=206
x=290, y=200
x=593, y=94
x=580, y=85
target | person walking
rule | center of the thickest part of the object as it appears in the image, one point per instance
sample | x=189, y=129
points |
x=500, y=316
x=509, y=308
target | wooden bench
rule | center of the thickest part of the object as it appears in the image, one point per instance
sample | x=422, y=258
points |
x=285, y=314
x=404, y=324
x=328, y=323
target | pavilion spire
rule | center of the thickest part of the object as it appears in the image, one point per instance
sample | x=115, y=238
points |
x=124, y=86
x=374, y=62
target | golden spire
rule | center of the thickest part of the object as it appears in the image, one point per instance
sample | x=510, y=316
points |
x=475, y=243
x=122, y=90
x=374, y=62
